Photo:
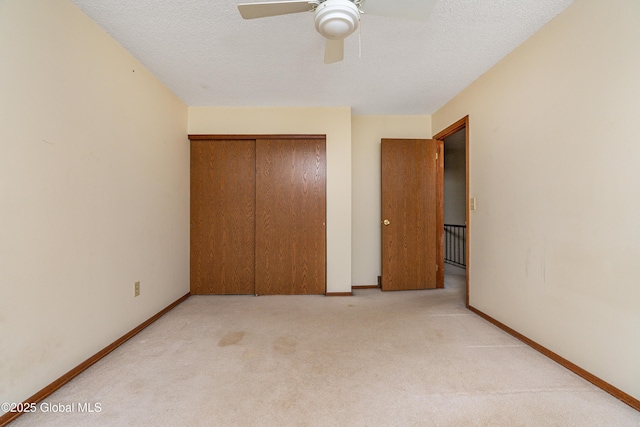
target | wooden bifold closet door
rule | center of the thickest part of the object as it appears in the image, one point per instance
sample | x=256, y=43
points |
x=258, y=215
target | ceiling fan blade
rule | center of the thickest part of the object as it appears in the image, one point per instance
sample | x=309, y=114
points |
x=416, y=10
x=333, y=51
x=273, y=8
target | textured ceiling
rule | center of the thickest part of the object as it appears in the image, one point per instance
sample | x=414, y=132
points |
x=209, y=56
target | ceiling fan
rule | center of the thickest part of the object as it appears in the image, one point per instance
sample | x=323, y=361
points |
x=338, y=19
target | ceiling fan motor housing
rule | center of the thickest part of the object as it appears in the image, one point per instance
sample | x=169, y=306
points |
x=337, y=19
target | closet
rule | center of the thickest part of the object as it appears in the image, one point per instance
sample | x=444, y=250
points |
x=258, y=214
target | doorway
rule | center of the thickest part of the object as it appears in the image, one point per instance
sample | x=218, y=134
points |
x=456, y=233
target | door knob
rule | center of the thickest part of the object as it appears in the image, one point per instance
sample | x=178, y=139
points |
x=386, y=222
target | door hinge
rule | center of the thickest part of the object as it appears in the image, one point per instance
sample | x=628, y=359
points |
x=436, y=156
x=437, y=267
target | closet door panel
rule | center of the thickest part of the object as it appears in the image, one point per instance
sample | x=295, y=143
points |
x=290, y=216
x=223, y=216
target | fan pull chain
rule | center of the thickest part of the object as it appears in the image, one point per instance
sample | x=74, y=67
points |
x=360, y=40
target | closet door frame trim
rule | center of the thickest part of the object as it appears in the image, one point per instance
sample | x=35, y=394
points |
x=197, y=137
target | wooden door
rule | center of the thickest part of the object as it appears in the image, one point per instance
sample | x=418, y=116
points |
x=222, y=216
x=290, y=216
x=411, y=214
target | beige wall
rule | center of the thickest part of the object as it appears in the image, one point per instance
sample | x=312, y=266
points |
x=94, y=193
x=554, y=167
x=335, y=123
x=367, y=131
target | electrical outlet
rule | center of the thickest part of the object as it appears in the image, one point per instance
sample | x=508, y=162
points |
x=136, y=289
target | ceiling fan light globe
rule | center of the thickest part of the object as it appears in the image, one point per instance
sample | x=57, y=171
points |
x=337, y=19
x=336, y=29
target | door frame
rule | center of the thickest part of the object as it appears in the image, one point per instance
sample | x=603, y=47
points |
x=463, y=123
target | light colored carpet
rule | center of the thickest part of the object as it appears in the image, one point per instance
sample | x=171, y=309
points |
x=415, y=358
